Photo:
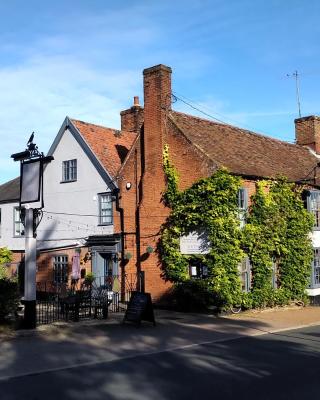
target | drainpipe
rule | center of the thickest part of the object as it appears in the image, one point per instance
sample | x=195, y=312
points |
x=116, y=193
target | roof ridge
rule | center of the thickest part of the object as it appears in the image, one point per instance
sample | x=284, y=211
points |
x=99, y=126
x=247, y=131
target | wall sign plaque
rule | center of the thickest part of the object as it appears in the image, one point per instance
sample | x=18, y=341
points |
x=195, y=243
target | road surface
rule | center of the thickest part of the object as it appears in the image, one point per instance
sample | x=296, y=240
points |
x=275, y=366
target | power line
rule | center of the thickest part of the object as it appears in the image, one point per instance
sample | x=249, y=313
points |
x=71, y=214
x=188, y=103
x=197, y=109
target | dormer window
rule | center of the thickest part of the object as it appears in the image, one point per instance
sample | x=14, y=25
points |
x=69, y=170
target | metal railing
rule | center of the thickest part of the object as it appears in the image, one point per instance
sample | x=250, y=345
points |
x=78, y=299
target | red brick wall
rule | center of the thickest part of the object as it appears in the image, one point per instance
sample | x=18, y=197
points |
x=148, y=186
x=132, y=119
x=45, y=263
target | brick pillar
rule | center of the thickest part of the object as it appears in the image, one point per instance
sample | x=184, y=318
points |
x=308, y=132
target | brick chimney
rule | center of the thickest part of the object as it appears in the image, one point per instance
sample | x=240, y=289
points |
x=132, y=119
x=157, y=103
x=308, y=132
x=152, y=211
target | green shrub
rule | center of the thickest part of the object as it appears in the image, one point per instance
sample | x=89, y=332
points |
x=192, y=295
x=9, y=298
x=5, y=257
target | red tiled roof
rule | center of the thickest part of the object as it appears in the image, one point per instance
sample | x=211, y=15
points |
x=244, y=152
x=110, y=146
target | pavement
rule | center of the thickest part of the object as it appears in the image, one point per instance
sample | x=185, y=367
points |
x=64, y=346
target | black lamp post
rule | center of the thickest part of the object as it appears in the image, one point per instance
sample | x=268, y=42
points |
x=31, y=193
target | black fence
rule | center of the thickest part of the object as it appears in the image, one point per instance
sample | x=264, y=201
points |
x=84, y=300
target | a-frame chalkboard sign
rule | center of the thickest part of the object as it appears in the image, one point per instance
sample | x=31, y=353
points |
x=139, y=308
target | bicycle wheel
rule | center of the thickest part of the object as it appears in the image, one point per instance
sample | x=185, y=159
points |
x=235, y=309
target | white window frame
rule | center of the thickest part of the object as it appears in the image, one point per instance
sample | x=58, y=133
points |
x=69, y=170
x=105, y=212
x=60, y=268
x=242, y=206
x=18, y=228
x=313, y=204
x=315, y=269
x=244, y=268
x=274, y=276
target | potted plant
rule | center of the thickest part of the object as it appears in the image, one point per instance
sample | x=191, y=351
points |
x=89, y=279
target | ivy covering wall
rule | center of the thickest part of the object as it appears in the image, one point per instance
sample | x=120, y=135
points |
x=276, y=238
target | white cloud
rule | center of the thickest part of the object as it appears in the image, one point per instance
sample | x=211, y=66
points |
x=37, y=95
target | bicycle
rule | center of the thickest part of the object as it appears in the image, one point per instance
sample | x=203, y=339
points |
x=299, y=303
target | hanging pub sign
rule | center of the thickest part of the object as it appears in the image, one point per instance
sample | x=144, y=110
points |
x=31, y=174
x=195, y=243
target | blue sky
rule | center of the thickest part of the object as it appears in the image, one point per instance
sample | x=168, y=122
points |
x=85, y=59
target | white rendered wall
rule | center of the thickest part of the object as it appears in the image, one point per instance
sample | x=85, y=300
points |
x=316, y=239
x=7, y=238
x=78, y=197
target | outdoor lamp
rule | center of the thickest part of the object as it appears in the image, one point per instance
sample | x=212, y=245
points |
x=149, y=249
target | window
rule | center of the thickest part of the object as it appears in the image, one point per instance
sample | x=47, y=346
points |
x=314, y=206
x=245, y=274
x=18, y=229
x=242, y=205
x=60, y=269
x=274, y=276
x=69, y=171
x=197, y=269
x=105, y=209
x=315, y=274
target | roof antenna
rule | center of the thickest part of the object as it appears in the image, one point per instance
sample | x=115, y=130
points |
x=295, y=75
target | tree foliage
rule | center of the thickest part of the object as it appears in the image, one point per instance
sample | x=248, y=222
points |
x=276, y=236
x=210, y=206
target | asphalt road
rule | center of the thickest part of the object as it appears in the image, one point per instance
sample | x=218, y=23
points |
x=274, y=366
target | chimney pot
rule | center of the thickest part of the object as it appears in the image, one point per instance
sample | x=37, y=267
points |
x=136, y=101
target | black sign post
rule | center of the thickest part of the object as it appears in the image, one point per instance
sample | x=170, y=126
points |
x=139, y=309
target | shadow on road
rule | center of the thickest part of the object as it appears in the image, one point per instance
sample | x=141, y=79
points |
x=178, y=359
